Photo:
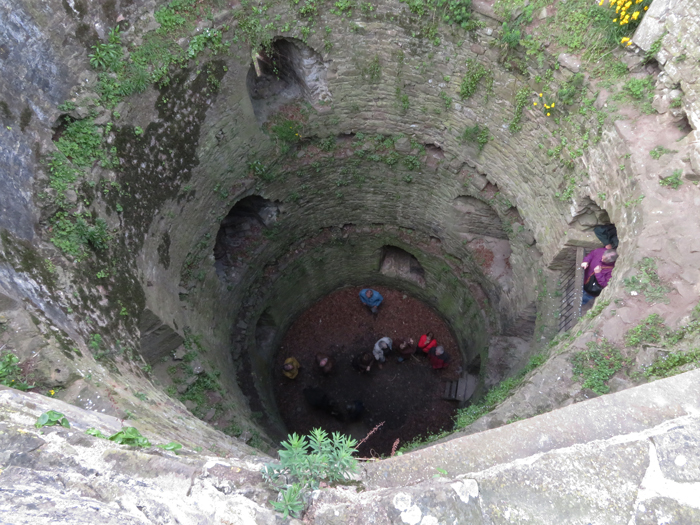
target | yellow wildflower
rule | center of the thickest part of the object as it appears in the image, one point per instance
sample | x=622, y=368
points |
x=635, y=15
x=534, y=103
x=552, y=104
x=547, y=114
x=626, y=39
x=615, y=20
x=646, y=7
x=52, y=392
x=629, y=43
x=540, y=94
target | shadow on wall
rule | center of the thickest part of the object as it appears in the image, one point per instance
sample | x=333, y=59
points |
x=398, y=263
x=240, y=235
x=288, y=72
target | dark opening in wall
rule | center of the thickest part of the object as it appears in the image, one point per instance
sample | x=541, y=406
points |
x=396, y=262
x=265, y=329
x=240, y=232
x=290, y=70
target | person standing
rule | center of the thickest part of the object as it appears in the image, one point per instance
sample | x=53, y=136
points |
x=598, y=266
x=371, y=298
x=325, y=363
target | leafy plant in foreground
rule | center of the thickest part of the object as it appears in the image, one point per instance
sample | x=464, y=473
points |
x=51, y=418
x=306, y=461
x=130, y=436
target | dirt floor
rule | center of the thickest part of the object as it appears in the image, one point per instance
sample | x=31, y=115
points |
x=406, y=396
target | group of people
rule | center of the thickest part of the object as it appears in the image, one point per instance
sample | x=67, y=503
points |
x=427, y=345
x=363, y=362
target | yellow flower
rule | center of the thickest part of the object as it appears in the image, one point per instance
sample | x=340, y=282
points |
x=52, y=392
x=547, y=114
x=629, y=43
x=552, y=104
x=615, y=20
x=635, y=15
x=534, y=103
x=626, y=39
x=646, y=7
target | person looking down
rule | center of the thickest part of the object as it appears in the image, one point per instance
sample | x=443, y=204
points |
x=438, y=358
x=371, y=298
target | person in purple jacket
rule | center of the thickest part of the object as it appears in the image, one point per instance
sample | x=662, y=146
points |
x=600, y=262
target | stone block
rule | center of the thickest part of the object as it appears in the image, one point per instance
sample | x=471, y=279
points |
x=157, y=338
x=7, y=303
x=570, y=62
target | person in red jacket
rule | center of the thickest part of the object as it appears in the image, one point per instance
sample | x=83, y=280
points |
x=438, y=358
x=426, y=342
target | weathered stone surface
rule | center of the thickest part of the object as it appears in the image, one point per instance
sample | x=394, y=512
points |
x=570, y=62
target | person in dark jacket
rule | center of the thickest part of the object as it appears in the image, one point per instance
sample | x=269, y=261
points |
x=599, y=263
x=607, y=234
x=363, y=362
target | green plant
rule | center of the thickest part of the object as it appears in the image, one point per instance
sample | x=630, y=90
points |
x=676, y=102
x=306, y=461
x=595, y=366
x=571, y=90
x=658, y=151
x=107, y=55
x=477, y=134
x=522, y=97
x=447, y=100
x=647, y=282
x=10, y=372
x=51, y=418
x=650, y=330
x=130, y=436
x=95, y=432
x=674, y=180
x=672, y=363
x=173, y=446
x=411, y=162
x=67, y=106
x=654, y=49
x=476, y=72
x=327, y=144
x=372, y=72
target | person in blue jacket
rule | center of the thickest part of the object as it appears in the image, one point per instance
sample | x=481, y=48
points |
x=371, y=298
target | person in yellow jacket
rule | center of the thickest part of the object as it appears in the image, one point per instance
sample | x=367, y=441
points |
x=291, y=367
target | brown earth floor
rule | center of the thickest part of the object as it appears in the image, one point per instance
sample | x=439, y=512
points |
x=406, y=396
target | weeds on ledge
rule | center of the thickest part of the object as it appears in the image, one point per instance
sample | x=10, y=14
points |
x=674, y=180
x=647, y=282
x=10, y=373
x=594, y=367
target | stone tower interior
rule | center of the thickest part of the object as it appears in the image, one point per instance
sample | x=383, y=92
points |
x=190, y=188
